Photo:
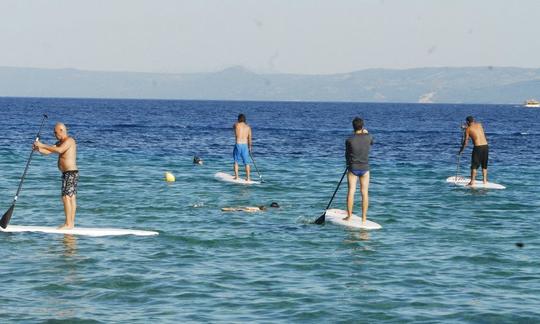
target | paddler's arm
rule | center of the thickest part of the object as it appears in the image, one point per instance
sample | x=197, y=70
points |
x=59, y=149
x=465, y=140
x=249, y=139
x=41, y=150
x=347, y=153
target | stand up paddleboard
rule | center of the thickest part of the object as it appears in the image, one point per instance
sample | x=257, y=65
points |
x=77, y=231
x=335, y=216
x=463, y=182
x=222, y=176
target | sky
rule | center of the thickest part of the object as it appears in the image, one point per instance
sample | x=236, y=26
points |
x=270, y=36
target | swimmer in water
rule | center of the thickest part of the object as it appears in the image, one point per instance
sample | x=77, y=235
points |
x=197, y=160
x=249, y=209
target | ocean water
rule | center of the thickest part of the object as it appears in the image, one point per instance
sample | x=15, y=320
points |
x=444, y=254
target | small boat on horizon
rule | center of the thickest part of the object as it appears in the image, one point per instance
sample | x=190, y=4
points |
x=532, y=103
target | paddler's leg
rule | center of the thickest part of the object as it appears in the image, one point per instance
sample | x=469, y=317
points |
x=364, y=187
x=246, y=160
x=67, y=211
x=484, y=164
x=235, y=170
x=236, y=159
x=73, y=200
x=473, y=177
x=351, y=184
x=475, y=163
x=248, y=172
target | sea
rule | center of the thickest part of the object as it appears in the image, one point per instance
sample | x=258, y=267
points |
x=444, y=254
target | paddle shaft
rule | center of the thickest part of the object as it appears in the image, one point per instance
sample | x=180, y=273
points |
x=459, y=155
x=320, y=220
x=4, y=221
x=254, y=164
x=29, y=159
x=337, y=188
x=457, y=169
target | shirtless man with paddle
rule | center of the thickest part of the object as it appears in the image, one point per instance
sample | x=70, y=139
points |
x=475, y=131
x=66, y=148
x=242, y=148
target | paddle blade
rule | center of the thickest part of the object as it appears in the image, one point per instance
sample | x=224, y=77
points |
x=7, y=216
x=320, y=220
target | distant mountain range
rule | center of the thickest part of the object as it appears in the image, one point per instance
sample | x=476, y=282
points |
x=492, y=85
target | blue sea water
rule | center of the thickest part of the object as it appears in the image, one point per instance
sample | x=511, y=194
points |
x=444, y=254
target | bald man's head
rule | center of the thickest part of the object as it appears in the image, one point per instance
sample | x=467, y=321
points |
x=60, y=131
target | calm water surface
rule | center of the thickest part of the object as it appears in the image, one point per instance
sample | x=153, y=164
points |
x=445, y=254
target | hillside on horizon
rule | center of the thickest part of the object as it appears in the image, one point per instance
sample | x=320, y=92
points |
x=490, y=85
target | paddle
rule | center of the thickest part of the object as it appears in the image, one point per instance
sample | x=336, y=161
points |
x=7, y=216
x=252, y=159
x=459, y=154
x=457, y=170
x=321, y=218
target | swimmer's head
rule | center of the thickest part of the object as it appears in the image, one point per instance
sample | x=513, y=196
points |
x=274, y=205
x=197, y=160
x=241, y=118
x=469, y=119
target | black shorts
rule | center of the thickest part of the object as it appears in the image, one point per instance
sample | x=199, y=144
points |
x=479, y=157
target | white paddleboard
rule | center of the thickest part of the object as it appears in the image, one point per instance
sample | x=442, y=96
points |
x=477, y=185
x=335, y=216
x=77, y=230
x=222, y=176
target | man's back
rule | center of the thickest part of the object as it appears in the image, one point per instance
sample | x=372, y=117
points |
x=357, y=151
x=242, y=132
x=476, y=132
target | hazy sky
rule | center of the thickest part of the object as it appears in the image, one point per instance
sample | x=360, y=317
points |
x=290, y=36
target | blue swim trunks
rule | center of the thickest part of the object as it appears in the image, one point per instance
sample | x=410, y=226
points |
x=358, y=173
x=241, y=154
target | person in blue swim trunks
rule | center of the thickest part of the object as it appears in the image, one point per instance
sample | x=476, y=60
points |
x=242, y=148
x=357, y=154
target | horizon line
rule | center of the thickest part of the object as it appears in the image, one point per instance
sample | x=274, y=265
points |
x=241, y=67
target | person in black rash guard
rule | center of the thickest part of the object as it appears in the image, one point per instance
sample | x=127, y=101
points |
x=357, y=154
